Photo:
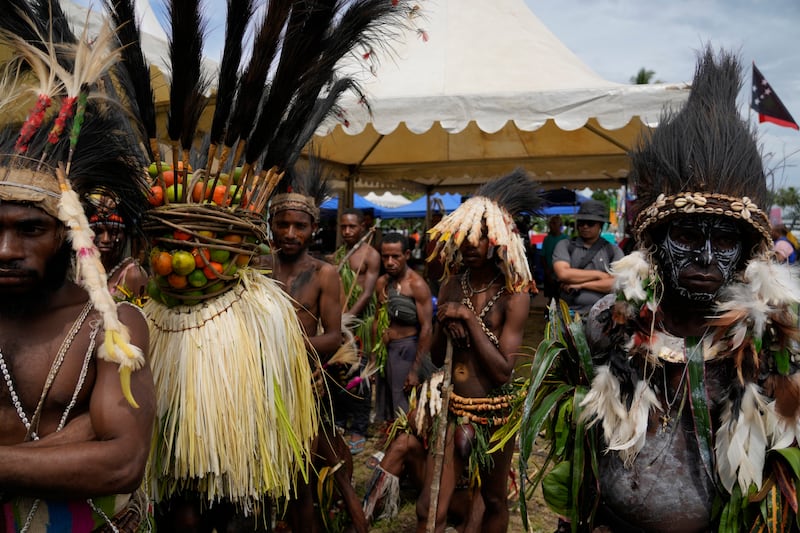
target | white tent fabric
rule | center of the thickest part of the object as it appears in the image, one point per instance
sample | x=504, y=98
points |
x=387, y=199
x=483, y=87
x=154, y=38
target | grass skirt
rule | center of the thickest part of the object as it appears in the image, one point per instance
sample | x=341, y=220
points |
x=236, y=409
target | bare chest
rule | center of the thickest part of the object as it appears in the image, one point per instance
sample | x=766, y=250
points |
x=44, y=368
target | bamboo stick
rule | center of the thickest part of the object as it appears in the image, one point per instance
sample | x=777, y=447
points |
x=438, y=452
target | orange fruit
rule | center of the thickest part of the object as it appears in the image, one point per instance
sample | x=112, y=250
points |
x=181, y=235
x=242, y=260
x=212, y=270
x=169, y=178
x=197, y=192
x=162, y=263
x=232, y=237
x=156, y=196
x=199, y=254
x=219, y=194
x=177, y=281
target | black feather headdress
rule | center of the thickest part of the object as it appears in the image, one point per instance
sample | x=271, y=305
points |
x=703, y=158
x=72, y=142
x=492, y=207
x=269, y=102
x=304, y=188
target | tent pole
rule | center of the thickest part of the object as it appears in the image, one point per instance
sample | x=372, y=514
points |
x=351, y=190
x=607, y=137
x=428, y=208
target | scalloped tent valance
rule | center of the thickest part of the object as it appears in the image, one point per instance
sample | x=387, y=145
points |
x=485, y=89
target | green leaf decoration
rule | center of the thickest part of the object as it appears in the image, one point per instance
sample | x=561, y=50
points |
x=556, y=488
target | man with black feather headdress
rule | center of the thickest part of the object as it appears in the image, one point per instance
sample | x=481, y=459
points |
x=692, y=417
x=482, y=309
x=72, y=449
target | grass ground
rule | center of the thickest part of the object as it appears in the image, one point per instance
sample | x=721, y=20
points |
x=541, y=519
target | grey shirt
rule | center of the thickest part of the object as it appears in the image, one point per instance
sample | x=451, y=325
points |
x=583, y=300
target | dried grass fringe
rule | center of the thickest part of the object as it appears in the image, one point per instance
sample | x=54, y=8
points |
x=236, y=410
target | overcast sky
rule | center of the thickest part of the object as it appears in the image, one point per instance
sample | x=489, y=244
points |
x=618, y=37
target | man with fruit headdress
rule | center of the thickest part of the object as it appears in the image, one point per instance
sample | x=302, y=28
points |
x=76, y=393
x=236, y=409
x=482, y=308
x=684, y=404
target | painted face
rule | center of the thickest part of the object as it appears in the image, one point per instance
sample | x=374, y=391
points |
x=352, y=230
x=31, y=243
x=394, y=258
x=292, y=231
x=700, y=255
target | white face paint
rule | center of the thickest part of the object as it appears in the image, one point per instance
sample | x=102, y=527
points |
x=700, y=255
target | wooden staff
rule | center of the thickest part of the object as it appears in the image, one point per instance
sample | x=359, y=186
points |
x=438, y=451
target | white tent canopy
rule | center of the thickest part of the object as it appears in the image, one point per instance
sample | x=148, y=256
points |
x=484, y=87
x=387, y=199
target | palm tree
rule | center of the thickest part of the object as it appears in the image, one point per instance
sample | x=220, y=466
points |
x=643, y=77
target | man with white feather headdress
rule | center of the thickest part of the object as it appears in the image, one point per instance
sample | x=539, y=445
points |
x=694, y=386
x=482, y=308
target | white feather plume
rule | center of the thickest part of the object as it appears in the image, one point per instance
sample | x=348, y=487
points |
x=624, y=430
x=630, y=274
x=741, y=443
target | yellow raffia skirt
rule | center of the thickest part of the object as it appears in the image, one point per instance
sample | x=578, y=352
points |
x=236, y=408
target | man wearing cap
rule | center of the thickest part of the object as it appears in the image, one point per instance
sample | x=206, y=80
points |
x=581, y=263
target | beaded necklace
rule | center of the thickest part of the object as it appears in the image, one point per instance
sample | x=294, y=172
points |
x=31, y=425
x=467, y=300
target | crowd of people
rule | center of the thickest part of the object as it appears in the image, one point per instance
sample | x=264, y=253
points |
x=244, y=408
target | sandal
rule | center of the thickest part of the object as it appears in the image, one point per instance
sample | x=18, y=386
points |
x=356, y=446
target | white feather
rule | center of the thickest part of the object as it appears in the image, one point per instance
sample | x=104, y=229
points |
x=742, y=443
x=630, y=273
x=624, y=430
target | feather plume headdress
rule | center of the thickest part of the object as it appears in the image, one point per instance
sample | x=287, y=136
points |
x=493, y=207
x=265, y=112
x=703, y=159
x=59, y=154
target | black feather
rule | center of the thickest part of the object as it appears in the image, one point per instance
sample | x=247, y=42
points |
x=134, y=70
x=51, y=10
x=302, y=45
x=704, y=147
x=189, y=84
x=253, y=79
x=239, y=14
x=516, y=193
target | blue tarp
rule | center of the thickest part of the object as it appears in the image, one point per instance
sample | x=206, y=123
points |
x=418, y=207
x=562, y=202
x=359, y=202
